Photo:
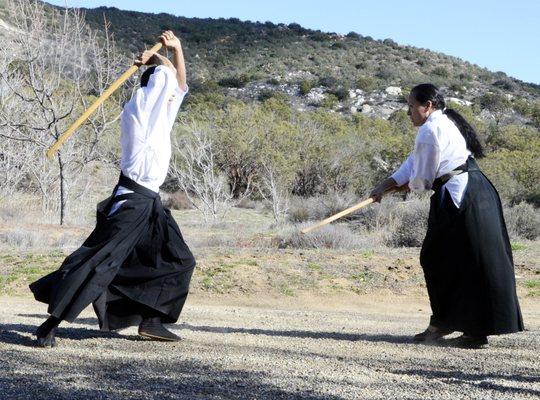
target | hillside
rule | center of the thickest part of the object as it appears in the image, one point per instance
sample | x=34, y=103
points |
x=348, y=73
x=224, y=47
x=289, y=111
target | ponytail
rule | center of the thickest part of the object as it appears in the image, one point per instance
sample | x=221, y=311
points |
x=468, y=132
x=428, y=92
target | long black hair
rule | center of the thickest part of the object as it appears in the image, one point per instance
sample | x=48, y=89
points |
x=428, y=92
x=145, y=77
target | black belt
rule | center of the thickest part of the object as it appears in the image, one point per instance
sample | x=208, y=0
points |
x=441, y=180
x=137, y=188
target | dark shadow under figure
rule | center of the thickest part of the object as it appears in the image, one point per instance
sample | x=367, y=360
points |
x=480, y=379
x=397, y=339
x=13, y=334
x=83, y=321
x=352, y=337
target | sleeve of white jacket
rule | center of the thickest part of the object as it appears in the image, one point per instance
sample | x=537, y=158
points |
x=403, y=173
x=151, y=99
x=427, y=155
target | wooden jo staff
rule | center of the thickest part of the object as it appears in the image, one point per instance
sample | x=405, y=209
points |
x=349, y=210
x=71, y=130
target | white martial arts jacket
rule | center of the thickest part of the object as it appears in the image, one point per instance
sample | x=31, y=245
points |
x=439, y=148
x=146, y=125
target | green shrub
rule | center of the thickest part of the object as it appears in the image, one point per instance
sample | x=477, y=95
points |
x=440, y=71
x=388, y=73
x=361, y=65
x=457, y=87
x=354, y=35
x=494, y=102
x=366, y=83
x=515, y=174
x=319, y=36
x=536, y=115
x=305, y=87
x=328, y=81
x=330, y=101
x=342, y=93
x=266, y=94
x=505, y=84
x=235, y=81
x=338, y=46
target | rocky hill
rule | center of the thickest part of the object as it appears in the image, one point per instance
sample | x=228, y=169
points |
x=349, y=73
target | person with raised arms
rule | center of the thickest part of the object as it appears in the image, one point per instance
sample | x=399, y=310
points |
x=135, y=267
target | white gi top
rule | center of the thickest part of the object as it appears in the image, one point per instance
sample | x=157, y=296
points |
x=439, y=148
x=146, y=125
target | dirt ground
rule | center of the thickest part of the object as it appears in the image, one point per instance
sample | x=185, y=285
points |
x=261, y=322
x=264, y=347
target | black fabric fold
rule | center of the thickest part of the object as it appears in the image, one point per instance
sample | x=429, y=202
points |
x=467, y=261
x=135, y=264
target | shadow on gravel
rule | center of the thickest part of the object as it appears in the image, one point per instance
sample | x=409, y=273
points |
x=98, y=377
x=83, y=321
x=14, y=334
x=302, y=334
x=481, y=380
x=268, y=332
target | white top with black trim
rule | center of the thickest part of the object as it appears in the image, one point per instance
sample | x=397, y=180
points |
x=439, y=148
x=146, y=125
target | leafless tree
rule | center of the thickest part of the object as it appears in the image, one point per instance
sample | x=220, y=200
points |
x=194, y=165
x=273, y=189
x=54, y=66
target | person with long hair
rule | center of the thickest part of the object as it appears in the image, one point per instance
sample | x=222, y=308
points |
x=466, y=254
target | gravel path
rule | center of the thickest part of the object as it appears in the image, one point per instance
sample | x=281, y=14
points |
x=239, y=352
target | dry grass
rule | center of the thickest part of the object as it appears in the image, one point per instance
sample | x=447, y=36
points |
x=407, y=224
x=337, y=236
x=523, y=221
x=245, y=255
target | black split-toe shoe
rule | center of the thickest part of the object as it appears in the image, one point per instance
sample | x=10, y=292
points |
x=154, y=329
x=470, y=342
x=47, y=339
x=431, y=334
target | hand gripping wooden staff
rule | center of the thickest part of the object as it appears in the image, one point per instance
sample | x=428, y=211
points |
x=349, y=210
x=71, y=130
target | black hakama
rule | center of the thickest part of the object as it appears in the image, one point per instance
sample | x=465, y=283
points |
x=134, y=265
x=467, y=261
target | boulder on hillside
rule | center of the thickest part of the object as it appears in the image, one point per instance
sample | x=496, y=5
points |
x=367, y=109
x=315, y=95
x=461, y=102
x=393, y=91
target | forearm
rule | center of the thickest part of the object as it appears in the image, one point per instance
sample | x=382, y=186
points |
x=158, y=59
x=179, y=64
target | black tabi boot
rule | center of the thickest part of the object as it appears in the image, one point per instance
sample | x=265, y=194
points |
x=45, y=334
x=431, y=334
x=152, y=328
x=471, y=342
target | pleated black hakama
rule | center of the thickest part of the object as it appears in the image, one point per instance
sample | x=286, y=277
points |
x=467, y=261
x=134, y=265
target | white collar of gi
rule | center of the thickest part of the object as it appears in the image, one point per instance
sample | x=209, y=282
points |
x=434, y=114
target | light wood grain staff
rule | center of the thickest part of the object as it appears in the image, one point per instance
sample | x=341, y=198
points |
x=340, y=214
x=106, y=94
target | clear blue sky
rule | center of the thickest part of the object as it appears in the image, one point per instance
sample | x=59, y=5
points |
x=496, y=34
